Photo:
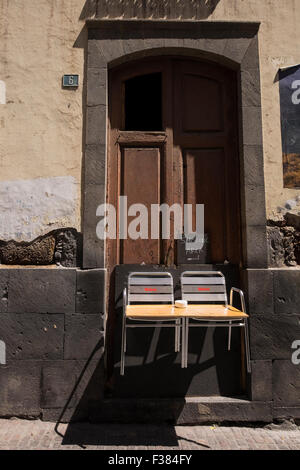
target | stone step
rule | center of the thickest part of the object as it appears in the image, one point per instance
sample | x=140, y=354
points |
x=188, y=410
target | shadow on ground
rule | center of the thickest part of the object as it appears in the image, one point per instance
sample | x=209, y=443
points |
x=85, y=434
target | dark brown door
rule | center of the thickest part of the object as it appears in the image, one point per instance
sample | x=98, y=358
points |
x=183, y=151
x=205, y=135
x=140, y=153
x=173, y=139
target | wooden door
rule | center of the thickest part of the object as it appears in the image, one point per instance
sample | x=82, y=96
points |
x=205, y=136
x=173, y=139
x=140, y=162
x=189, y=155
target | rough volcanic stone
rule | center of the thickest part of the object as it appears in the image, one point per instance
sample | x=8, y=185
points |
x=20, y=388
x=293, y=219
x=185, y=9
x=289, y=245
x=261, y=381
x=93, y=252
x=255, y=205
x=4, y=279
x=96, y=124
x=251, y=57
x=258, y=290
x=32, y=336
x=38, y=252
x=71, y=384
x=276, y=251
x=286, y=384
x=252, y=125
x=253, y=166
x=83, y=336
x=284, y=413
x=60, y=246
x=67, y=249
x=42, y=290
x=90, y=291
x=236, y=48
x=286, y=291
x=271, y=338
x=94, y=164
x=250, y=84
x=256, y=251
x=196, y=410
x=97, y=86
x=284, y=240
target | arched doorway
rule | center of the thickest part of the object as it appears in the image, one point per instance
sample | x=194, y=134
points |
x=173, y=138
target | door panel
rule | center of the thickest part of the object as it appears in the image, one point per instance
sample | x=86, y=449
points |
x=140, y=176
x=205, y=121
x=203, y=184
x=201, y=103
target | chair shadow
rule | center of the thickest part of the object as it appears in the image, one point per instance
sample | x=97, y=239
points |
x=124, y=435
x=114, y=435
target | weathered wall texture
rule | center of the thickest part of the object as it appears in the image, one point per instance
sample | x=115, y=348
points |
x=41, y=123
x=30, y=208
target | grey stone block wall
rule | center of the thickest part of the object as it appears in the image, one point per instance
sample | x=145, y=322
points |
x=55, y=359
x=52, y=323
x=274, y=307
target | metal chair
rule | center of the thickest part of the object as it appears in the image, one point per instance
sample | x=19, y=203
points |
x=209, y=288
x=145, y=288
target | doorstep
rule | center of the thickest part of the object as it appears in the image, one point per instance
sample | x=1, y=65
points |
x=188, y=410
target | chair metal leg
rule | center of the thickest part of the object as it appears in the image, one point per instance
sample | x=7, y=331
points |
x=186, y=341
x=123, y=346
x=125, y=340
x=183, y=343
x=247, y=346
x=229, y=336
x=177, y=336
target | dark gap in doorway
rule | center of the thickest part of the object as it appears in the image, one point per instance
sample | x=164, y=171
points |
x=143, y=103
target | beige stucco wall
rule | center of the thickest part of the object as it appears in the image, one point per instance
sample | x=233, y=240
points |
x=41, y=123
x=279, y=46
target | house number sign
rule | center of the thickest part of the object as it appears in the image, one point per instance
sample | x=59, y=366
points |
x=70, y=81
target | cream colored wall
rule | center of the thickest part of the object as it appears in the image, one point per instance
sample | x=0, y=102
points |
x=279, y=38
x=41, y=123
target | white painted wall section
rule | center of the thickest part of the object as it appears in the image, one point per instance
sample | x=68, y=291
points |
x=30, y=208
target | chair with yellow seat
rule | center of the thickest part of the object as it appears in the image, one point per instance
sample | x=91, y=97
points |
x=206, y=294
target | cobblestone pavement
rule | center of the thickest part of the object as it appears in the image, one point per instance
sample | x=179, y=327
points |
x=22, y=434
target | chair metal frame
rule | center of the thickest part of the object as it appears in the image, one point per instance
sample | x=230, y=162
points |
x=144, y=298
x=238, y=322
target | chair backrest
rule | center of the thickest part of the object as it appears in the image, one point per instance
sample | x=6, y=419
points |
x=150, y=287
x=203, y=286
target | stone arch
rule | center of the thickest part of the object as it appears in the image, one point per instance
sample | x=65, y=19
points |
x=235, y=45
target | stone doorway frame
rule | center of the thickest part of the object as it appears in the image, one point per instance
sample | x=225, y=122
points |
x=234, y=44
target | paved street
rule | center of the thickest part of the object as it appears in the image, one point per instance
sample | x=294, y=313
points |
x=23, y=434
